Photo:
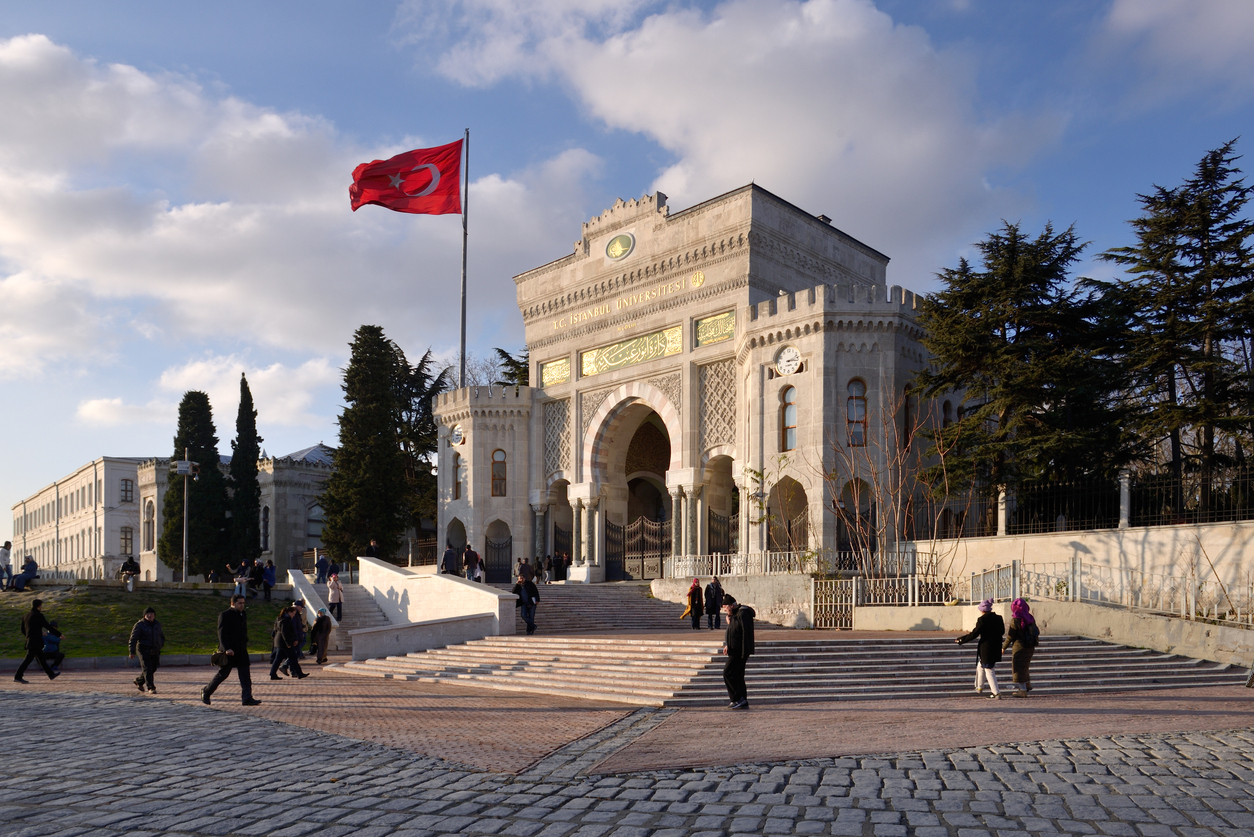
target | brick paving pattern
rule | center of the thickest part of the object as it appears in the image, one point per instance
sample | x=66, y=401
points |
x=88, y=757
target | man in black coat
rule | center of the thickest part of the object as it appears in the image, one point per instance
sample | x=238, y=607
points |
x=286, y=645
x=34, y=623
x=528, y=598
x=738, y=646
x=147, y=638
x=233, y=641
x=451, y=563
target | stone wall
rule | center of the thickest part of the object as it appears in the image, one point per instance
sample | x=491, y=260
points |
x=779, y=599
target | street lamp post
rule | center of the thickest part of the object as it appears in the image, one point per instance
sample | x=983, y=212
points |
x=186, y=468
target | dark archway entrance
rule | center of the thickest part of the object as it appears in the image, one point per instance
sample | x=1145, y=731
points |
x=636, y=547
x=498, y=553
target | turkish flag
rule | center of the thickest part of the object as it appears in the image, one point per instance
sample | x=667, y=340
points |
x=425, y=181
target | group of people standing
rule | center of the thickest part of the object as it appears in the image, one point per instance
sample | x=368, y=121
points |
x=249, y=576
x=1021, y=639
x=708, y=603
x=465, y=563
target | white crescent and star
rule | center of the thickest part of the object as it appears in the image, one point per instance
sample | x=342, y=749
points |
x=399, y=179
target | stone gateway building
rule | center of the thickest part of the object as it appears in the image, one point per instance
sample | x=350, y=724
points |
x=700, y=381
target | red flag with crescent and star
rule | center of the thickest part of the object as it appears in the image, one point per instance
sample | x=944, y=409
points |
x=425, y=181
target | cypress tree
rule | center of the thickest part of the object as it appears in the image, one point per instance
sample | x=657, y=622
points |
x=367, y=496
x=513, y=370
x=418, y=433
x=207, y=524
x=246, y=496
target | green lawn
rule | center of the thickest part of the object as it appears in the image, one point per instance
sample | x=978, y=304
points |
x=97, y=623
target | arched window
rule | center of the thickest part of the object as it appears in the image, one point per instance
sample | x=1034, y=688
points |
x=150, y=522
x=855, y=413
x=313, y=531
x=788, y=424
x=498, y=473
x=265, y=528
x=457, y=476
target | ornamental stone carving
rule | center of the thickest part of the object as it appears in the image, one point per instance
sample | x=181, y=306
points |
x=556, y=436
x=717, y=393
x=669, y=385
x=589, y=403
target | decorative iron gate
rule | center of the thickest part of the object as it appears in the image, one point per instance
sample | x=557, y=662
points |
x=832, y=602
x=636, y=551
x=561, y=541
x=498, y=556
x=724, y=534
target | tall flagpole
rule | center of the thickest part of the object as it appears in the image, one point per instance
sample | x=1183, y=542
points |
x=465, y=209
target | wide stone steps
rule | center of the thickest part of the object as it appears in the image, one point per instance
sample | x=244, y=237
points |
x=670, y=672
x=360, y=611
x=585, y=608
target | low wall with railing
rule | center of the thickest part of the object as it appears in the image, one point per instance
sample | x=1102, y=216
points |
x=411, y=637
x=406, y=596
x=1179, y=550
x=809, y=562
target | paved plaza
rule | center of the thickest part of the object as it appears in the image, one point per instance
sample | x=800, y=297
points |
x=334, y=755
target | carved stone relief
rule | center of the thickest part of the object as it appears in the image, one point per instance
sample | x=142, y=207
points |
x=717, y=383
x=669, y=385
x=557, y=436
x=589, y=403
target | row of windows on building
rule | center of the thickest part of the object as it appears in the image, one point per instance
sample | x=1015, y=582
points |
x=855, y=416
x=69, y=503
x=499, y=474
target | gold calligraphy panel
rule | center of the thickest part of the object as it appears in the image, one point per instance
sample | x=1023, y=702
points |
x=637, y=350
x=555, y=372
x=716, y=329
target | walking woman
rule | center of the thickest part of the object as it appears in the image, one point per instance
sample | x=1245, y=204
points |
x=696, y=603
x=989, y=629
x=335, y=596
x=1022, y=637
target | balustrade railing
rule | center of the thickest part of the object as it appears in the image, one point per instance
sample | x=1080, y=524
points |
x=813, y=562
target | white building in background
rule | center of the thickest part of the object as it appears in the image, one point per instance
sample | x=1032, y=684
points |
x=85, y=524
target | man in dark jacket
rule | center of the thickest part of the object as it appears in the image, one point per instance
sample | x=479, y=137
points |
x=321, y=566
x=298, y=625
x=33, y=626
x=233, y=642
x=287, y=644
x=738, y=646
x=714, y=604
x=528, y=598
x=147, y=638
x=451, y=563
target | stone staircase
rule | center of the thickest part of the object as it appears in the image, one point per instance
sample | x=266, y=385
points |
x=601, y=608
x=687, y=672
x=360, y=611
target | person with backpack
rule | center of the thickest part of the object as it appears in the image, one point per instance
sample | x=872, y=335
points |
x=989, y=629
x=738, y=646
x=1022, y=637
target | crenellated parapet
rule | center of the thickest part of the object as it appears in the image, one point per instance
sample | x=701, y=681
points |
x=623, y=213
x=494, y=404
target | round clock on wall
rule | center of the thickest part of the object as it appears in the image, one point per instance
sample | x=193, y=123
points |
x=456, y=436
x=788, y=360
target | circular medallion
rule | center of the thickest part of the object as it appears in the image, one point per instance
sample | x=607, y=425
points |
x=788, y=360
x=698, y=279
x=456, y=436
x=620, y=246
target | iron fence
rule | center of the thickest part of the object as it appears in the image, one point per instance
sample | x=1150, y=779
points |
x=1159, y=500
x=1063, y=507
x=813, y=562
x=970, y=514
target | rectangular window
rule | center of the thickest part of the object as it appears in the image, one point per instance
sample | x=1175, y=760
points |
x=128, y=491
x=127, y=546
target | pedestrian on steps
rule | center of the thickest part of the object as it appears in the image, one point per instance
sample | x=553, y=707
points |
x=335, y=596
x=147, y=639
x=989, y=629
x=714, y=604
x=1021, y=637
x=320, y=567
x=696, y=603
x=528, y=598
x=738, y=647
x=320, y=635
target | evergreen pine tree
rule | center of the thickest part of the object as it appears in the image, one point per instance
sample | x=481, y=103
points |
x=246, y=496
x=208, y=536
x=1022, y=349
x=514, y=370
x=367, y=496
x=418, y=433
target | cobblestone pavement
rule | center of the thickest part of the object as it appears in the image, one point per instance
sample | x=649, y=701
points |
x=107, y=764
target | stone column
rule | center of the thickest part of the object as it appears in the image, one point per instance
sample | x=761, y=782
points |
x=1001, y=510
x=576, y=537
x=590, y=532
x=677, y=522
x=1125, y=499
x=549, y=523
x=694, y=523
x=537, y=512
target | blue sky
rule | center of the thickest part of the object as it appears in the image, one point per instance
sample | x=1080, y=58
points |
x=173, y=178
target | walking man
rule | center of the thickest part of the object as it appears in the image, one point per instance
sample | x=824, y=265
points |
x=321, y=566
x=286, y=646
x=147, y=638
x=738, y=646
x=451, y=563
x=233, y=642
x=471, y=561
x=528, y=598
x=6, y=564
x=33, y=626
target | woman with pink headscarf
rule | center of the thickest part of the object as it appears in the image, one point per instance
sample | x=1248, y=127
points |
x=1022, y=635
x=989, y=629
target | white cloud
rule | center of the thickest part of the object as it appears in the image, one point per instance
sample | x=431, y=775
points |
x=138, y=206
x=1181, y=45
x=282, y=395
x=828, y=103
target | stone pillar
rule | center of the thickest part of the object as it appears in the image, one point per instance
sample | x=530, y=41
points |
x=1125, y=499
x=537, y=516
x=590, y=532
x=745, y=513
x=549, y=523
x=576, y=537
x=677, y=522
x=692, y=547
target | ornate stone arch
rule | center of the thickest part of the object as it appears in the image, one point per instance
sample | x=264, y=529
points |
x=609, y=417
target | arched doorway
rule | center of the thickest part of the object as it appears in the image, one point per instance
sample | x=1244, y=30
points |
x=562, y=524
x=455, y=535
x=788, y=517
x=637, y=505
x=722, y=502
x=498, y=553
